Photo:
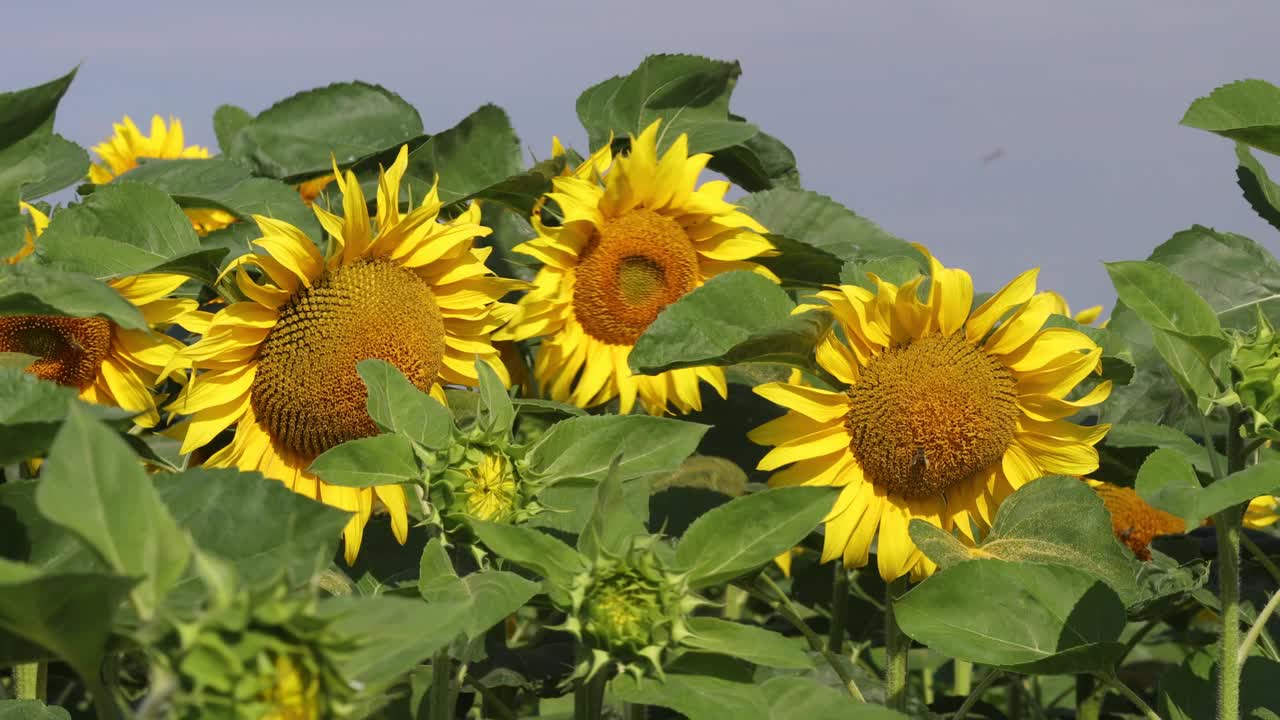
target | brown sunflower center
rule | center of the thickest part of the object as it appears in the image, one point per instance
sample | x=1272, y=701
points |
x=1134, y=522
x=928, y=414
x=636, y=265
x=307, y=391
x=69, y=350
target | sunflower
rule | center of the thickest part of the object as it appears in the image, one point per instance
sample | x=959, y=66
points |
x=309, y=190
x=1263, y=511
x=108, y=364
x=1134, y=522
x=635, y=235
x=490, y=489
x=39, y=222
x=941, y=414
x=281, y=366
x=1087, y=316
x=120, y=153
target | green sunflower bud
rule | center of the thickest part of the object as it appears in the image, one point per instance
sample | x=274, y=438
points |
x=1255, y=363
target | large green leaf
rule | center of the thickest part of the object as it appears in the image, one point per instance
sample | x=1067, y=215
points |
x=800, y=265
x=479, y=152
x=690, y=94
x=65, y=163
x=397, y=405
x=1053, y=520
x=817, y=220
x=29, y=289
x=611, y=524
x=570, y=503
x=31, y=710
x=260, y=526
x=95, y=486
x=734, y=317
x=31, y=410
x=1167, y=481
x=583, y=447
x=228, y=121
x=750, y=531
x=760, y=162
x=1246, y=110
x=1189, y=692
x=697, y=697
x=1260, y=192
x=489, y=595
x=394, y=635
x=385, y=459
x=29, y=153
x=299, y=135
x=1145, y=434
x=1234, y=274
x=120, y=229
x=553, y=560
x=760, y=646
x=802, y=698
x=23, y=112
x=1024, y=617
x=495, y=414
x=28, y=537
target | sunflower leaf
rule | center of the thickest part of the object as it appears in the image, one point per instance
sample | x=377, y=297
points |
x=550, y=558
x=611, y=523
x=27, y=150
x=760, y=646
x=817, y=220
x=495, y=414
x=31, y=710
x=480, y=152
x=489, y=595
x=29, y=289
x=385, y=459
x=583, y=447
x=397, y=405
x=1167, y=481
x=1247, y=111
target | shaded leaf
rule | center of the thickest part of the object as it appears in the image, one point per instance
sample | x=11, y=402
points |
x=488, y=595
x=760, y=646
x=481, y=151
x=28, y=289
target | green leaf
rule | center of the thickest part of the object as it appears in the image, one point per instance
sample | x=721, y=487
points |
x=1167, y=481
x=758, y=163
x=228, y=121
x=1190, y=691
x=29, y=154
x=298, y=136
x=697, y=697
x=264, y=529
x=384, y=459
x=734, y=317
x=28, y=289
x=801, y=698
x=478, y=153
x=583, y=447
x=120, y=229
x=68, y=614
x=31, y=411
x=27, y=111
x=1144, y=434
x=1261, y=194
x=896, y=269
x=65, y=164
x=28, y=537
x=611, y=524
x=397, y=405
x=31, y=710
x=1234, y=274
x=495, y=414
x=489, y=595
x=1246, y=110
x=387, y=651
x=94, y=485
x=799, y=264
x=538, y=551
x=760, y=646
x=570, y=503
x=817, y=220
x=1066, y=620
x=1053, y=520
x=690, y=94
x=750, y=531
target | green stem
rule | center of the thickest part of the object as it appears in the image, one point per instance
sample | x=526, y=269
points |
x=896, y=646
x=1089, y=696
x=976, y=694
x=31, y=681
x=1130, y=695
x=839, y=608
x=1256, y=628
x=1016, y=698
x=789, y=613
x=1137, y=637
x=735, y=600
x=441, y=680
x=1228, y=526
x=1261, y=556
x=635, y=711
x=588, y=696
x=961, y=677
x=492, y=703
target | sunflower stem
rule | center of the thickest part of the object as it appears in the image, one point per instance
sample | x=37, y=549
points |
x=1228, y=526
x=961, y=677
x=31, y=681
x=1089, y=696
x=783, y=605
x=839, y=608
x=976, y=694
x=1130, y=695
x=588, y=696
x=636, y=711
x=441, y=680
x=1256, y=629
x=896, y=647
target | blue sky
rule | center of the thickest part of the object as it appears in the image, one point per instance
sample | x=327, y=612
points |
x=890, y=107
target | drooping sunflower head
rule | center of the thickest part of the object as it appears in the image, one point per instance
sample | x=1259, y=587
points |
x=632, y=235
x=281, y=366
x=942, y=411
x=1135, y=522
x=120, y=154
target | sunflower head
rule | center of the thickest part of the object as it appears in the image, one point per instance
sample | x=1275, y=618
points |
x=941, y=410
x=620, y=239
x=1255, y=368
x=1134, y=522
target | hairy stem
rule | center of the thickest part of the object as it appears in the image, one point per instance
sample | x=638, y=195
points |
x=839, y=607
x=30, y=681
x=1228, y=527
x=896, y=646
x=441, y=680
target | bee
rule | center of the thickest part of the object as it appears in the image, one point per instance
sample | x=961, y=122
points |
x=919, y=464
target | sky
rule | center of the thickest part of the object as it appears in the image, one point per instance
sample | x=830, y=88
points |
x=1003, y=135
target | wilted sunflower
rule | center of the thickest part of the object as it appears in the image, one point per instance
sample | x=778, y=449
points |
x=121, y=151
x=634, y=237
x=281, y=367
x=944, y=412
x=108, y=364
x=1134, y=522
x=1087, y=316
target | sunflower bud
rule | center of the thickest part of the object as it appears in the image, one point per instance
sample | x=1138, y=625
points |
x=1255, y=364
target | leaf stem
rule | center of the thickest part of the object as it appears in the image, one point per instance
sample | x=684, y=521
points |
x=1089, y=696
x=839, y=608
x=977, y=693
x=492, y=703
x=31, y=681
x=1130, y=695
x=1256, y=629
x=961, y=677
x=896, y=647
x=441, y=679
x=789, y=613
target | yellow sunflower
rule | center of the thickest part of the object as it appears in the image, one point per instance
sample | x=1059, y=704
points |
x=1263, y=511
x=281, y=367
x=1134, y=522
x=1087, y=316
x=39, y=222
x=309, y=190
x=943, y=412
x=108, y=364
x=120, y=153
x=636, y=234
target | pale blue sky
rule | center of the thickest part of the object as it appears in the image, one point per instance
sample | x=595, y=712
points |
x=890, y=107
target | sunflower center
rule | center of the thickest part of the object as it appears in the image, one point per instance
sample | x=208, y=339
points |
x=307, y=391
x=928, y=414
x=635, y=265
x=68, y=350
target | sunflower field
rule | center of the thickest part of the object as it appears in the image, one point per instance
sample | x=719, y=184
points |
x=346, y=419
